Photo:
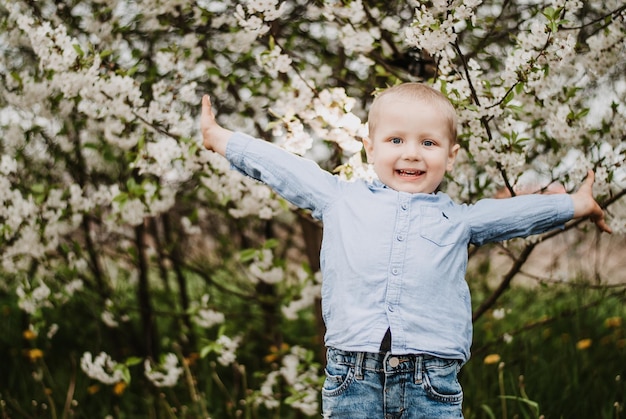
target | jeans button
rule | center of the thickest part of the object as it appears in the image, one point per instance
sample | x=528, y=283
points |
x=394, y=362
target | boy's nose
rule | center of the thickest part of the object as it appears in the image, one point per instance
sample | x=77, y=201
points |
x=411, y=151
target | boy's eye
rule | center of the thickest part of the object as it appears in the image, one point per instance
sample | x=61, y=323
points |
x=396, y=140
x=429, y=143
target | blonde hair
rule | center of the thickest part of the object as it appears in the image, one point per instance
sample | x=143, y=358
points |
x=416, y=91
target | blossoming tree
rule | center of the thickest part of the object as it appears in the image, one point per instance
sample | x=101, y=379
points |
x=111, y=211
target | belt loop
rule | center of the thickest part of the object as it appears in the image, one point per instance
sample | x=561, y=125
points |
x=358, y=366
x=419, y=368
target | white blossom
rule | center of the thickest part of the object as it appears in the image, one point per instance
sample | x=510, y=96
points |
x=227, y=348
x=310, y=292
x=108, y=318
x=52, y=330
x=499, y=313
x=165, y=374
x=102, y=368
x=8, y=165
x=34, y=300
x=267, y=396
x=303, y=380
x=274, y=61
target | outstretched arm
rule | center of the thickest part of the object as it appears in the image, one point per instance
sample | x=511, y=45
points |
x=214, y=137
x=586, y=206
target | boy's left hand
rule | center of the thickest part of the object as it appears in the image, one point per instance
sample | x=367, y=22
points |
x=586, y=206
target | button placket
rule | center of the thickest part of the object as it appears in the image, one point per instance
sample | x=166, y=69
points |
x=398, y=251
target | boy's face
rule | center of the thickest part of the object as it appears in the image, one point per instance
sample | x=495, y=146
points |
x=411, y=146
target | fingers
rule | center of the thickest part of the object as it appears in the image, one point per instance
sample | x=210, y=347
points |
x=207, y=110
x=597, y=215
x=603, y=226
x=207, y=121
x=598, y=218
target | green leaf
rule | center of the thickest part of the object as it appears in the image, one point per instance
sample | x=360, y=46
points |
x=38, y=188
x=530, y=403
x=79, y=50
x=133, y=360
x=211, y=347
x=509, y=97
x=125, y=372
x=121, y=198
x=247, y=255
x=488, y=411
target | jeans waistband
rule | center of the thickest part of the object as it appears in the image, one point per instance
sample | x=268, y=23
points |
x=379, y=361
x=387, y=362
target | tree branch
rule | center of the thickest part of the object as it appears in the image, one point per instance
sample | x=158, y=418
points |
x=505, y=283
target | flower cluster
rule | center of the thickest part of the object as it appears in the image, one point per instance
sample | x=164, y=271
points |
x=102, y=368
x=302, y=378
x=107, y=371
x=274, y=61
x=257, y=13
x=263, y=269
x=166, y=374
x=205, y=316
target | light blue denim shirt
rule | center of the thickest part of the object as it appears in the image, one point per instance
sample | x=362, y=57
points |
x=393, y=259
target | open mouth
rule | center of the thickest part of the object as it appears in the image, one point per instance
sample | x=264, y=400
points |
x=403, y=172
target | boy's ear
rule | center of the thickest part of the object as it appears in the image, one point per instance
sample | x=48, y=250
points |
x=368, y=145
x=454, y=150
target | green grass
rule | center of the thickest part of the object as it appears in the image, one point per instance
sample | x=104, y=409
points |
x=558, y=352
x=566, y=359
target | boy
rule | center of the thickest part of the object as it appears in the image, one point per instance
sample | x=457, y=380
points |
x=394, y=253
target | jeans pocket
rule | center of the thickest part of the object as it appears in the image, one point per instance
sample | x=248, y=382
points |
x=441, y=380
x=338, y=379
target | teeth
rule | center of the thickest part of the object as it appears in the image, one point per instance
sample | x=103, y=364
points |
x=409, y=172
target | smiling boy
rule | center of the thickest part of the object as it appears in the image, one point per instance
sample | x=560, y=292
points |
x=394, y=253
x=412, y=138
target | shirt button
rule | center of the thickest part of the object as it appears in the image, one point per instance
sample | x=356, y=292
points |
x=395, y=271
x=390, y=307
x=404, y=207
x=400, y=237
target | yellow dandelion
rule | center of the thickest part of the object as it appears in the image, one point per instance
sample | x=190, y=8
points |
x=491, y=359
x=613, y=322
x=269, y=358
x=29, y=334
x=34, y=354
x=93, y=389
x=119, y=388
x=276, y=352
x=48, y=391
x=583, y=344
x=191, y=359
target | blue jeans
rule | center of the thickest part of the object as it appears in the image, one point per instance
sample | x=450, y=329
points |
x=363, y=385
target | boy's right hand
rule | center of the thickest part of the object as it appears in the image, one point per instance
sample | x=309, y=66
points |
x=214, y=137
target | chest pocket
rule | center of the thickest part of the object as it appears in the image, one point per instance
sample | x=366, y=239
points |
x=439, y=227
